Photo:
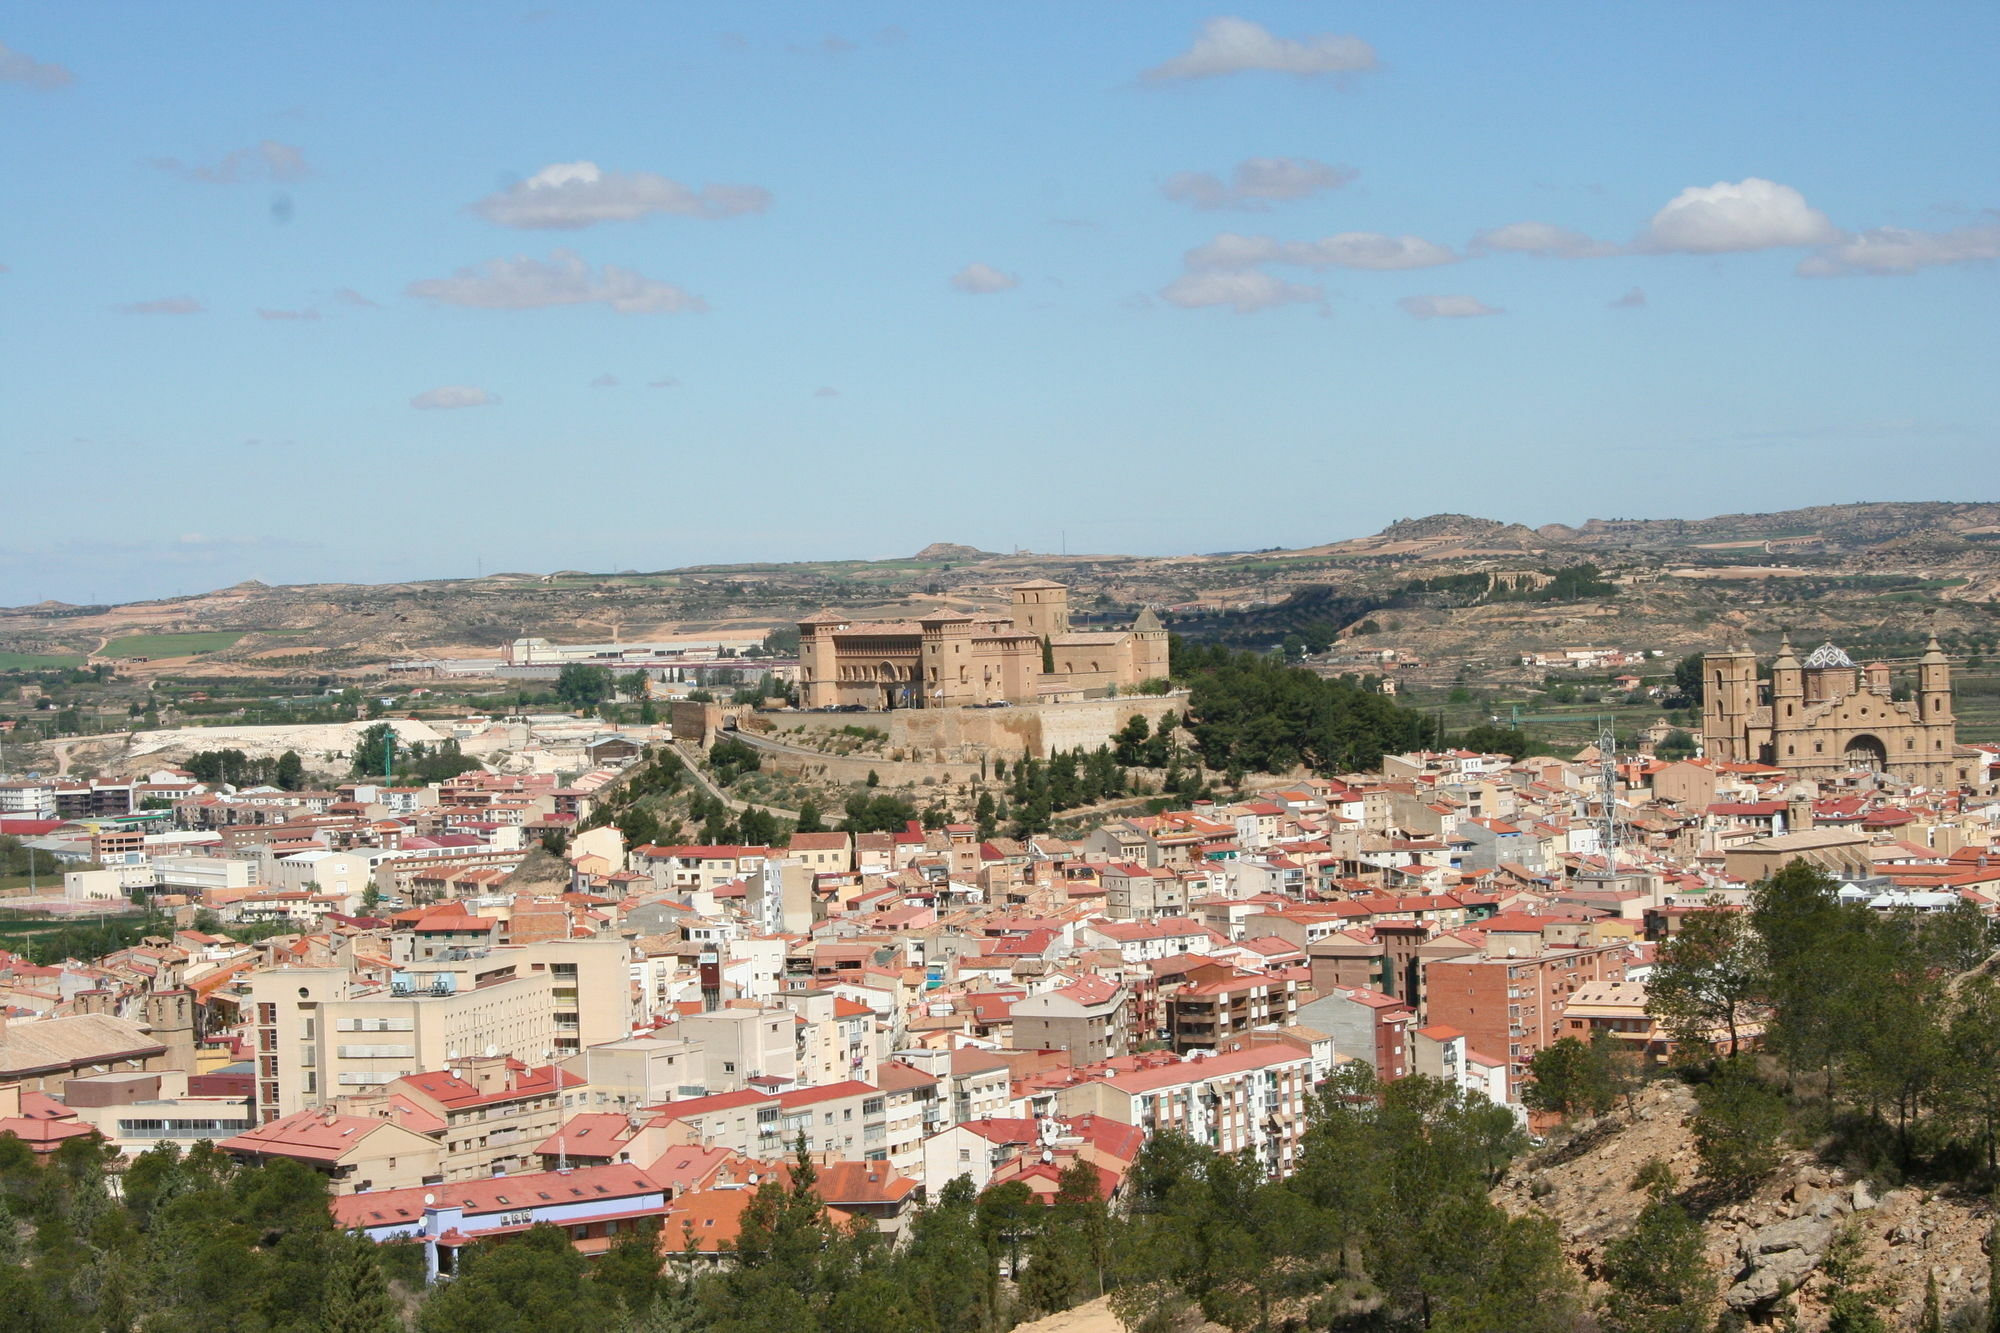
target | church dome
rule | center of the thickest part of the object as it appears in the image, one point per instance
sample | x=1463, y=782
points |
x=1826, y=655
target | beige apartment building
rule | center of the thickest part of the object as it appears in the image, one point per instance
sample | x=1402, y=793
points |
x=490, y=1113
x=321, y=1033
x=741, y=1041
x=635, y=1072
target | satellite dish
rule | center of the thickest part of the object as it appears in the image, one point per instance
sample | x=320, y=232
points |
x=429, y=1199
x=491, y=1050
x=451, y=1055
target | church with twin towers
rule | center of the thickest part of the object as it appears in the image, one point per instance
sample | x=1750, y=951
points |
x=954, y=659
x=1822, y=717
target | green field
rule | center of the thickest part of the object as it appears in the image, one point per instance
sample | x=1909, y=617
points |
x=173, y=645
x=36, y=662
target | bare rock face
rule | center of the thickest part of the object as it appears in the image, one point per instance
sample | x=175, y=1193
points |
x=1777, y=1258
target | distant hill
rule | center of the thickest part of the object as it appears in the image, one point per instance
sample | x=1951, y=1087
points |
x=952, y=551
x=1827, y=569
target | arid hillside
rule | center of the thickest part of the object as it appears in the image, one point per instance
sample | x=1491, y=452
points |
x=1673, y=583
x=1766, y=1250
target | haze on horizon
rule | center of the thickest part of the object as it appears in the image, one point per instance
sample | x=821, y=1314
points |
x=305, y=299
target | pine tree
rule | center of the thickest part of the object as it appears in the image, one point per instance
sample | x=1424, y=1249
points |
x=1659, y=1278
x=356, y=1298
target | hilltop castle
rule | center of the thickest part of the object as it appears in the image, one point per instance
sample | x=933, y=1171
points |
x=1825, y=716
x=952, y=660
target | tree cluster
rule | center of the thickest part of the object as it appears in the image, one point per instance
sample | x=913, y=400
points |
x=17, y=858
x=236, y=769
x=1251, y=713
x=1386, y=1225
x=583, y=687
x=1037, y=790
x=1887, y=1020
x=417, y=763
x=195, y=1243
x=729, y=759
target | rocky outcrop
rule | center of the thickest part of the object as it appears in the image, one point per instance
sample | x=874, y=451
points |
x=1767, y=1250
x=1779, y=1257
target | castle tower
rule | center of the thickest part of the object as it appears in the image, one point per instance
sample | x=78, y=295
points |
x=950, y=677
x=1729, y=691
x=1934, y=684
x=1149, y=647
x=1041, y=608
x=819, y=668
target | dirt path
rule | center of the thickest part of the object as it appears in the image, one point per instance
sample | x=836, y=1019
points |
x=60, y=749
x=1090, y=1317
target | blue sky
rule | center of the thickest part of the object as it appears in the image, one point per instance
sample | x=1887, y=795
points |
x=317, y=292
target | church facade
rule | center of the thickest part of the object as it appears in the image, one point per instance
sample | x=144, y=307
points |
x=950, y=659
x=1823, y=716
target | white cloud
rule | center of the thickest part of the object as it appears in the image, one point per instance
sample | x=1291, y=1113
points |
x=1750, y=214
x=982, y=280
x=19, y=67
x=1231, y=45
x=564, y=278
x=172, y=305
x=1540, y=238
x=1244, y=290
x=826, y=391
x=266, y=161
x=1446, y=307
x=348, y=296
x=578, y=194
x=1350, y=249
x=263, y=313
x=1882, y=251
x=668, y=382
x=1631, y=300
x=452, y=395
x=605, y=382
x=1257, y=183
